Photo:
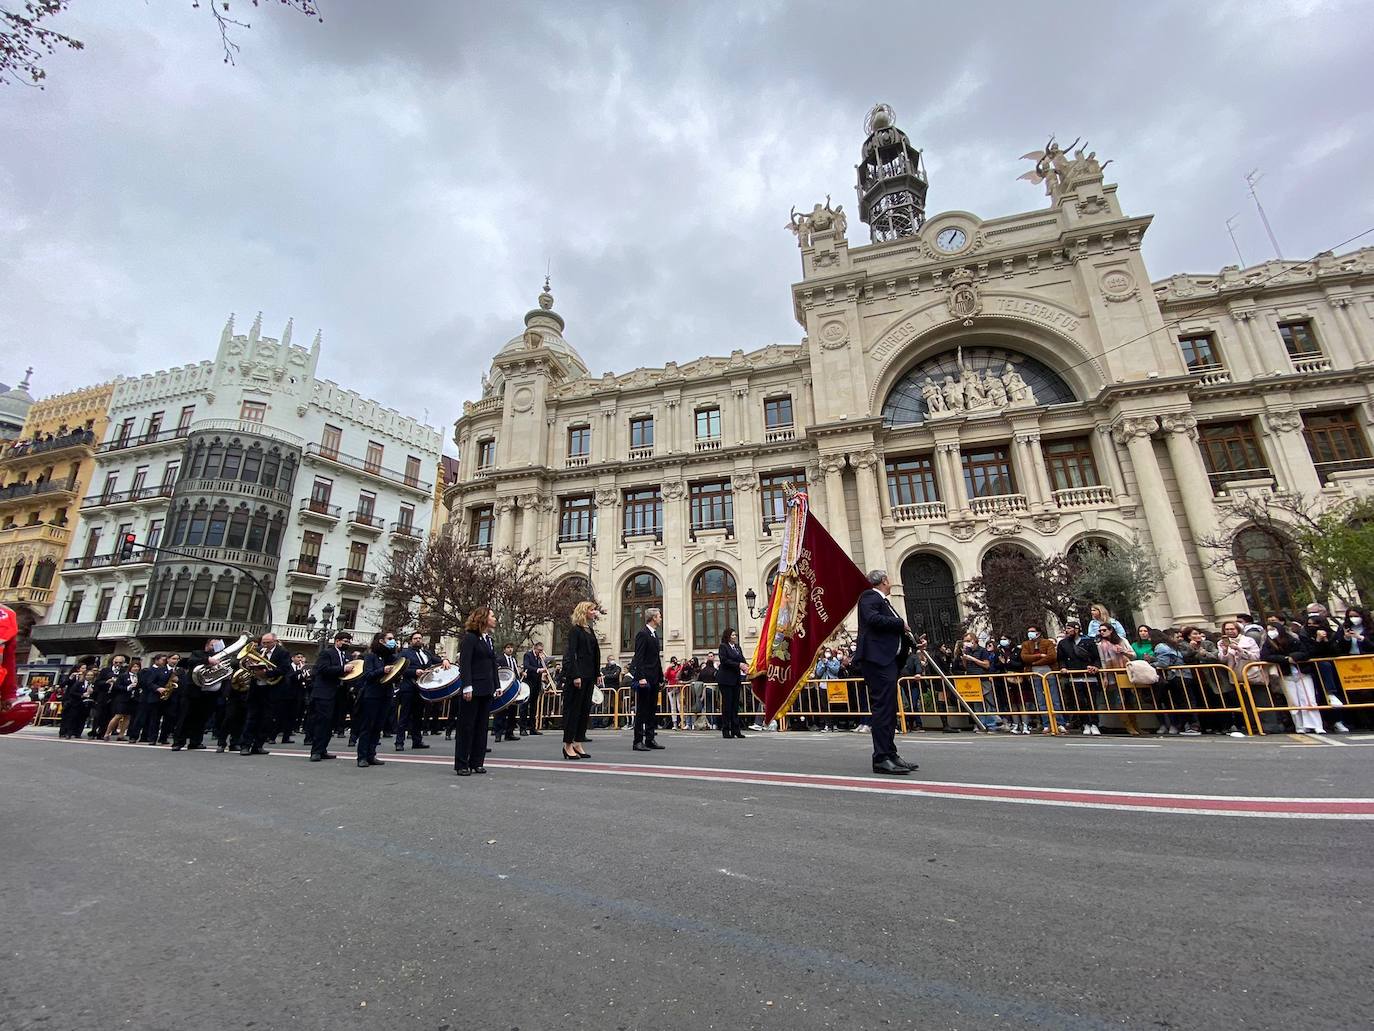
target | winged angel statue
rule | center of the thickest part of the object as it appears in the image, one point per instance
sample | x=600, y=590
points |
x=1056, y=169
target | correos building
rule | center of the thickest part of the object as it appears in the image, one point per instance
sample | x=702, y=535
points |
x=962, y=383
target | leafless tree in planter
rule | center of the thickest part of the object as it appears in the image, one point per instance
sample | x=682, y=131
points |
x=1017, y=590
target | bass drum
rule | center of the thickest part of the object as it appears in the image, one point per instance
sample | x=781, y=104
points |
x=438, y=684
x=509, y=691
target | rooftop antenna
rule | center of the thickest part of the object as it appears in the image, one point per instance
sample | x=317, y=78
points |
x=1231, y=228
x=1252, y=180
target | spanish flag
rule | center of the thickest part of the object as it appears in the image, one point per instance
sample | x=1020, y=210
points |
x=817, y=586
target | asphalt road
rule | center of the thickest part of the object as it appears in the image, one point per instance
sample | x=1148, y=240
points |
x=154, y=890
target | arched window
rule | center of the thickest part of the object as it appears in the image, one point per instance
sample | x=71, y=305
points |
x=271, y=463
x=257, y=530
x=287, y=475
x=1273, y=579
x=197, y=463
x=195, y=534
x=161, y=595
x=714, y=606
x=238, y=528
x=252, y=464
x=219, y=522
x=642, y=592
x=243, y=600
x=224, y=593
x=906, y=404
x=181, y=590
x=18, y=575
x=44, y=572
x=274, y=533
x=183, y=517
x=200, y=595
x=572, y=589
x=214, y=458
x=233, y=457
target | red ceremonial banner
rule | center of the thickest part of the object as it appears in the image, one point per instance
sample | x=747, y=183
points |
x=817, y=587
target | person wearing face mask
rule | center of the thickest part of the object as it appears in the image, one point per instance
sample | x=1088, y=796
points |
x=1237, y=651
x=1286, y=650
x=1323, y=638
x=1038, y=655
x=373, y=696
x=1006, y=658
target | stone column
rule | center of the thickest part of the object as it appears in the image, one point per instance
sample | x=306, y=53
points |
x=1109, y=463
x=1346, y=315
x=742, y=430
x=1135, y=432
x=504, y=511
x=669, y=427
x=832, y=466
x=866, y=464
x=1300, y=474
x=949, y=477
x=1030, y=462
x=529, y=522
x=744, y=486
x=607, y=540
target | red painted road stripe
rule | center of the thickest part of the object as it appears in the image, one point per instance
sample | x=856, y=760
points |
x=1209, y=805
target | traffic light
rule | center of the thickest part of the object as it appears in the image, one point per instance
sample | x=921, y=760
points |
x=126, y=547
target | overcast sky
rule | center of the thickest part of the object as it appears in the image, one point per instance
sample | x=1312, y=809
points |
x=400, y=175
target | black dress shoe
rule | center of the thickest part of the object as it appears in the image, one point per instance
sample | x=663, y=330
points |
x=419, y=744
x=362, y=764
x=640, y=748
x=891, y=768
x=317, y=758
x=480, y=769
x=288, y=740
x=902, y=762
x=656, y=745
x=328, y=755
x=176, y=748
x=258, y=750
x=464, y=772
x=510, y=737
x=375, y=762
x=534, y=733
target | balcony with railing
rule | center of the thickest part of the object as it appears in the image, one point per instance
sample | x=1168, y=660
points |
x=712, y=527
x=321, y=453
x=319, y=511
x=140, y=559
x=581, y=538
x=369, y=524
x=132, y=496
x=25, y=490
x=1327, y=472
x=708, y=444
x=237, y=488
x=247, y=429
x=137, y=440
x=26, y=595
x=634, y=534
x=919, y=512
x=577, y=461
x=1309, y=362
x=641, y=454
x=357, y=578
x=998, y=504
x=1083, y=497
x=1241, y=481
x=308, y=569
x=37, y=533
x=68, y=445
x=779, y=434
x=406, y=531
x=1210, y=375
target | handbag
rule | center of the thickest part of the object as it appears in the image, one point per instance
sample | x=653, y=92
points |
x=1141, y=673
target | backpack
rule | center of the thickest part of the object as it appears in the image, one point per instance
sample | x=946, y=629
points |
x=1141, y=673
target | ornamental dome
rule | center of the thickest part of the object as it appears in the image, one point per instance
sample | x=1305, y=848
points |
x=543, y=329
x=15, y=403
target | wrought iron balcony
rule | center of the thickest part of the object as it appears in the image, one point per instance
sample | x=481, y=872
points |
x=51, y=447
x=134, y=440
x=307, y=569
x=132, y=496
x=321, y=511
x=368, y=523
x=357, y=576
x=368, y=468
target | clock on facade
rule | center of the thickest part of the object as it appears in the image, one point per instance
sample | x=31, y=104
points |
x=951, y=239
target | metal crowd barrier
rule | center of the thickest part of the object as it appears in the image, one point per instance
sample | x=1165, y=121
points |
x=1336, y=688
x=1208, y=692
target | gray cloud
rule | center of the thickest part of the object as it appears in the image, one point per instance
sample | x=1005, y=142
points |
x=400, y=175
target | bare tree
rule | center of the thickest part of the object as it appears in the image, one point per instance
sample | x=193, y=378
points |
x=25, y=42
x=1017, y=590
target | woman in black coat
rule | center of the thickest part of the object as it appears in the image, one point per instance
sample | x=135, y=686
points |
x=373, y=696
x=729, y=679
x=581, y=672
x=477, y=662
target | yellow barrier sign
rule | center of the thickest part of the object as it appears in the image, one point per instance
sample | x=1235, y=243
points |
x=970, y=688
x=1357, y=674
x=837, y=692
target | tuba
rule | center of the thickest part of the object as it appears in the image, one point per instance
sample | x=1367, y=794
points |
x=258, y=665
x=208, y=676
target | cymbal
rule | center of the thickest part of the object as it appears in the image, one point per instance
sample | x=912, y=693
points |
x=392, y=669
x=353, y=670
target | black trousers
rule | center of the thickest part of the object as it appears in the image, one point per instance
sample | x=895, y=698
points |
x=530, y=709
x=319, y=720
x=283, y=708
x=409, y=716
x=144, y=726
x=196, y=711
x=257, y=717
x=470, y=743
x=371, y=716
x=229, y=723
x=577, y=709
x=504, y=723
x=100, y=718
x=646, y=713
x=73, y=719
x=882, y=697
x=171, y=709
x=729, y=709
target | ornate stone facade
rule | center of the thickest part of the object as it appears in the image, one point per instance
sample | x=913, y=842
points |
x=969, y=384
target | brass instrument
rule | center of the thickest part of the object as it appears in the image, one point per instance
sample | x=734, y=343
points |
x=173, y=682
x=258, y=665
x=208, y=676
x=242, y=680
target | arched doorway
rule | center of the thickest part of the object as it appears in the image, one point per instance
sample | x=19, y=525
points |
x=1121, y=611
x=571, y=590
x=928, y=590
x=1013, y=594
x=1272, y=580
x=642, y=591
x=714, y=607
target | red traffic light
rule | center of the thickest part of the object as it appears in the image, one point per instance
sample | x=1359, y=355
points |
x=126, y=547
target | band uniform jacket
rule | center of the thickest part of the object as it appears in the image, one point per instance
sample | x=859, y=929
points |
x=188, y=663
x=731, y=659
x=533, y=667
x=477, y=660
x=150, y=679
x=374, y=668
x=647, y=663
x=416, y=660
x=329, y=670
x=582, y=657
x=280, y=658
x=880, y=629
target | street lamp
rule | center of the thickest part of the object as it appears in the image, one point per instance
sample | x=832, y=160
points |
x=749, y=599
x=325, y=625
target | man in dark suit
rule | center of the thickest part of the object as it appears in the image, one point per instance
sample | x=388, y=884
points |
x=646, y=672
x=409, y=711
x=881, y=633
x=534, y=669
x=324, y=689
x=255, y=721
x=150, y=682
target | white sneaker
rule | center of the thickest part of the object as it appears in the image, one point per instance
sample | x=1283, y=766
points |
x=1097, y=731
x=756, y=727
x=1087, y=731
x=1190, y=732
x=1234, y=733
x=1319, y=730
x=1163, y=730
x=1340, y=728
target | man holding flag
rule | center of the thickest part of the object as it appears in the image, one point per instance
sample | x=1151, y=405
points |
x=882, y=634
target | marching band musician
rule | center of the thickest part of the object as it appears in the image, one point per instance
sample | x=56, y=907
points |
x=151, y=682
x=123, y=683
x=169, y=705
x=409, y=710
x=100, y=694
x=536, y=678
x=477, y=660
x=200, y=701
x=324, y=689
x=73, y=702
x=581, y=671
x=373, y=695
x=503, y=724
x=266, y=683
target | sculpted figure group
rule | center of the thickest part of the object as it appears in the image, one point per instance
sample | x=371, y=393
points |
x=971, y=391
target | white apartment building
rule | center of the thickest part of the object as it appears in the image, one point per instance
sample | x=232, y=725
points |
x=270, y=496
